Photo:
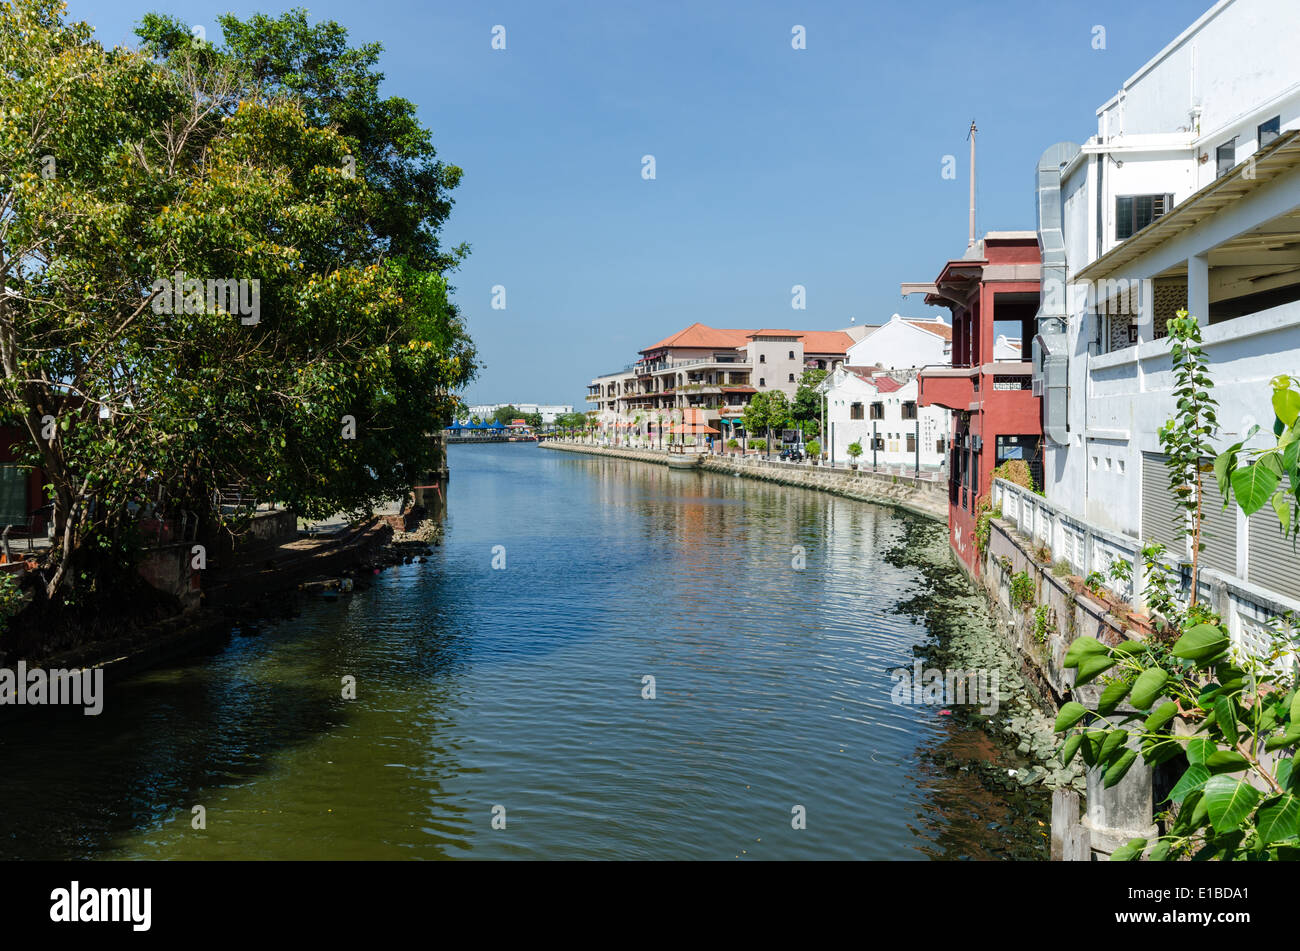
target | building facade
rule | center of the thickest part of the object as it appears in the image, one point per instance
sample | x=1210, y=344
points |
x=878, y=410
x=993, y=295
x=715, y=371
x=1187, y=197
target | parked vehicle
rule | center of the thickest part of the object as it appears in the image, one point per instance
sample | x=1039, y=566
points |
x=792, y=454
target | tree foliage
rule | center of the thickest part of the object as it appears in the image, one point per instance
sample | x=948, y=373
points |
x=186, y=165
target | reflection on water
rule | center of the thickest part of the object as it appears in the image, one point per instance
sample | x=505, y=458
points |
x=522, y=688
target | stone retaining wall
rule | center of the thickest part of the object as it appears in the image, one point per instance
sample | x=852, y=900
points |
x=921, y=496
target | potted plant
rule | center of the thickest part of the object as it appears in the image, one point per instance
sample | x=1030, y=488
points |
x=854, y=450
x=733, y=445
x=814, y=451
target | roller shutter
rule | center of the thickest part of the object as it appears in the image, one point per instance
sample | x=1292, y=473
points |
x=1272, y=561
x=1161, y=518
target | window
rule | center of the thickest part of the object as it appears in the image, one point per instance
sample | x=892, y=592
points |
x=1269, y=131
x=791, y=377
x=1226, y=156
x=13, y=496
x=911, y=442
x=762, y=381
x=791, y=354
x=877, y=410
x=762, y=358
x=855, y=411
x=939, y=447
x=909, y=410
x=1135, y=212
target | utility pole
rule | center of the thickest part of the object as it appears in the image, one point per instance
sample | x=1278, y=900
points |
x=873, y=446
x=971, y=136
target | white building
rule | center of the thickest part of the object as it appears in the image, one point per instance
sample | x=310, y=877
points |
x=548, y=411
x=904, y=342
x=878, y=410
x=1187, y=197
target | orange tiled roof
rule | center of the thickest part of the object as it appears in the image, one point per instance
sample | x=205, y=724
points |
x=704, y=337
x=934, y=327
x=826, y=341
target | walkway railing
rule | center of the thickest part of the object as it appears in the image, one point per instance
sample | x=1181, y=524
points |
x=1247, y=609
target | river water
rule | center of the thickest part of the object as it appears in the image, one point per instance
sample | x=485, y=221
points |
x=515, y=695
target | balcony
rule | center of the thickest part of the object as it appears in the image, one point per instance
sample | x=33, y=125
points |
x=951, y=388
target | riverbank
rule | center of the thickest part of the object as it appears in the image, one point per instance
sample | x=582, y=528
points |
x=267, y=582
x=925, y=497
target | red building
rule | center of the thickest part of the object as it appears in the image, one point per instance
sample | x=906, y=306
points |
x=992, y=292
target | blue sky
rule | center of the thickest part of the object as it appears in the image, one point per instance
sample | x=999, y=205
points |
x=774, y=166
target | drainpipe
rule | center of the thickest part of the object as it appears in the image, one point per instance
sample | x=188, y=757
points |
x=1050, y=354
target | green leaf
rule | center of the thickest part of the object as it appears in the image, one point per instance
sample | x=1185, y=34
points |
x=1195, y=778
x=1091, y=667
x=1199, y=749
x=1070, y=747
x=1114, y=740
x=1159, y=852
x=1148, y=687
x=1295, y=707
x=1120, y=767
x=1286, y=405
x=1229, y=801
x=1157, y=720
x=1192, y=813
x=1115, y=692
x=1080, y=647
x=1226, y=761
x=1202, y=642
x=1129, y=851
x=1071, y=713
x=1278, y=818
x=1225, y=715
x=1253, y=484
x=1282, y=508
x=1290, y=738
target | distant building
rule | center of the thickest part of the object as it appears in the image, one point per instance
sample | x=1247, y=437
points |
x=548, y=411
x=714, y=370
x=878, y=409
x=904, y=342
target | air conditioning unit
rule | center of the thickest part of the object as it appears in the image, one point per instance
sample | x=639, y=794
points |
x=977, y=443
x=1038, y=387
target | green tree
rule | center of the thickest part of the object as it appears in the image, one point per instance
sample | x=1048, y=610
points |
x=806, y=410
x=177, y=165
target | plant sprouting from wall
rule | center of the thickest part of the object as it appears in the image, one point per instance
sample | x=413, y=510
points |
x=1186, y=437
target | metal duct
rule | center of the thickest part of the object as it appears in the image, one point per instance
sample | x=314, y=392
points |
x=1050, y=354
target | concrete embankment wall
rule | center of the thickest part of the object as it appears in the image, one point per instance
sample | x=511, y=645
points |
x=921, y=496
x=1112, y=815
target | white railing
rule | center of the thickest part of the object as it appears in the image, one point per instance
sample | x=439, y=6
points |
x=1247, y=609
